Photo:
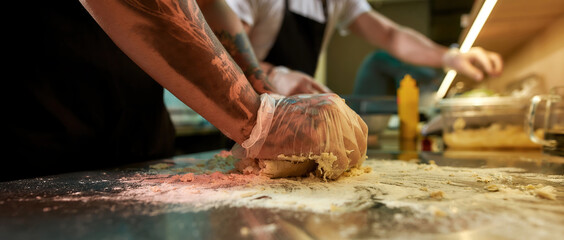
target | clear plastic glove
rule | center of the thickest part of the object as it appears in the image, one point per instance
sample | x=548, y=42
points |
x=289, y=82
x=474, y=62
x=318, y=127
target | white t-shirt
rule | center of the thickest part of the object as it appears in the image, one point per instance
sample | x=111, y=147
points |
x=265, y=18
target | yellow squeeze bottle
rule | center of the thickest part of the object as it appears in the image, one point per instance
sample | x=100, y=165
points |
x=408, y=107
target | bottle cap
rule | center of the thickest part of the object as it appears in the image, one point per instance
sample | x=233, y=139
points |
x=407, y=81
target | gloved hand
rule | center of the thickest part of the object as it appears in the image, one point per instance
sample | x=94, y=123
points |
x=289, y=82
x=474, y=62
x=309, y=125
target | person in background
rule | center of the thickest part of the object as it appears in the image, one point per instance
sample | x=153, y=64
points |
x=380, y=74
x=288, y=36
x=90, y=76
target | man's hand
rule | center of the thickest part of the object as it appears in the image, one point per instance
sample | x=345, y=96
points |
x=474, y=63
x=414, y=48
x=309, y=125
x=289, y=82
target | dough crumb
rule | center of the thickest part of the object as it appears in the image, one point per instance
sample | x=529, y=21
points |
x=492, y=188
x=440, y=213
x=356, y=171
x=439, y=195
x=188, y=177
x=437, y=212
x=546, y=193
x=484, y=179
x=532, y=187
x=245, y=231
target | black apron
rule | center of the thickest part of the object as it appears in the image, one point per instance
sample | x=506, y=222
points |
x=81, y=102
x=298, y=43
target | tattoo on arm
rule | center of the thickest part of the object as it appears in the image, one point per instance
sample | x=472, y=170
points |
x=240, y=49
x=179, y=33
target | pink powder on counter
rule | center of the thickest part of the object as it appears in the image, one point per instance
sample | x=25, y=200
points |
x=212, y=174
x=224, y=154
x=210, y=181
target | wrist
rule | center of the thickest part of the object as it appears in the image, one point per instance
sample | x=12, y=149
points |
x=449, y=58
x=261, y=127
x=252, y=118
x=247, y=129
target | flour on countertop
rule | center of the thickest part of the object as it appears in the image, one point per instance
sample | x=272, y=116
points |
x=461, y=198
x=385, y=180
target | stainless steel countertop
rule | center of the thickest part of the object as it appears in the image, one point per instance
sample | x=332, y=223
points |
x=47, y=208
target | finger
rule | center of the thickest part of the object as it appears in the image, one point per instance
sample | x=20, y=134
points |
x=479, y=58
x=497, y=62
x=466, y=68
x=302, y=88
x=308, y=86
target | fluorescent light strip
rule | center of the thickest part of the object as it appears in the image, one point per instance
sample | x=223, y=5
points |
x=479, y=22
x=477, y=25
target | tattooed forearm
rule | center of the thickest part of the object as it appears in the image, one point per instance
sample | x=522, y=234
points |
x=229, y=30
x=240, y=49
x=177, y=31
x=181, y=22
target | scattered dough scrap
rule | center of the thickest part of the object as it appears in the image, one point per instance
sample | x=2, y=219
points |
x=492, y=188
x=546, y=193
x=439, y=195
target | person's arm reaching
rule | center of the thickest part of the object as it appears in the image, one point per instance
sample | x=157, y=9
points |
x=413, y=47
x=172, y=42
x=229, y=30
